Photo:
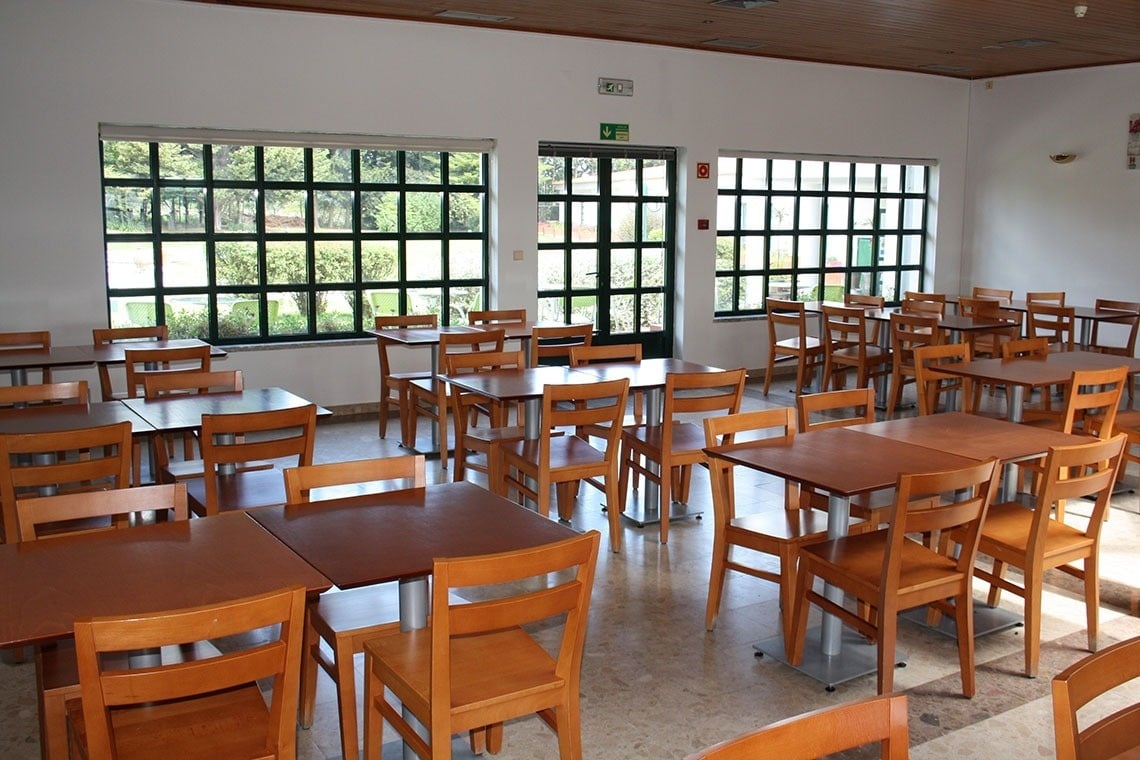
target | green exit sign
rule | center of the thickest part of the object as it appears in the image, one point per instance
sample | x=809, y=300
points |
x=619, y=132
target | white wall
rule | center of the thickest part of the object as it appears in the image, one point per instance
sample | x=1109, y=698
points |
x=1036, y=225
x=70, y=64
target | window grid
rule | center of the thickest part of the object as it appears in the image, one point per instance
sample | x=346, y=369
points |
x=304, y=255
x=814, y=229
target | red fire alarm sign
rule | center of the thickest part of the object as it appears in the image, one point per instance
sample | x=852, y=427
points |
x=702, y=170
x=702, y=224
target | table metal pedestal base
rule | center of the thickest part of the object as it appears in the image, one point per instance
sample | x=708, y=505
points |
x=640, y=513
x=986, y=620
x=857, y=657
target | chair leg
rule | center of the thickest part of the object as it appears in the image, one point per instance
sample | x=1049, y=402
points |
x=309, y=668
x=770, y=371
x=1033, y=583
x=373, y=723
x=716, y=579
x=613, y=513
x=896, y=393
x=888, y=637
x=964, y=618
x=666, y=499
x=788, y=594
x=623, y=476
x=804, y=579
x=567, y=490
x=346, y=695
x=1092, y=599
x=995, y=591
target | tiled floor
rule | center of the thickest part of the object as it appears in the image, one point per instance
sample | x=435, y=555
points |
x=655, y=684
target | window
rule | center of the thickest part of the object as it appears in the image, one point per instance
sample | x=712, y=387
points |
x=812, y=229
x=232, y=238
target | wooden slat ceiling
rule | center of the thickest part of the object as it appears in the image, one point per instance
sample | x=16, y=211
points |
x=967, y=39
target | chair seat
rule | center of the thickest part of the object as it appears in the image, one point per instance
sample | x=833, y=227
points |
x=686, y=436
x=352, y=609
x=566, y=451
x=176, y=729
x=242, y=490
x=495, y=435
x=795, y=344
x=785, y=525
x=192, y=468
x=861, y=560
x=1008, y=526
x=875, y=354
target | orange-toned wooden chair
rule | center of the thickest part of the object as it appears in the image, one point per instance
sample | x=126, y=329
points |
x=213, y=704
x=889, y=572
x=932, y=383
x=1113, y=736
x=551, y=344
x=102, y=336
x=1054, y=323
x=845, y=347
x=1054, y=297
x=1001, y=295
x=491, y=317
x=581, y=356
x=484, y=440
x=788, y=339
x=915, y=302
x=394, y=385
x=988, y=343
x=45, y=394
x=476, y=665
x=908, y=332
x=36, y=340
x=867, y=302
x=1127, y=327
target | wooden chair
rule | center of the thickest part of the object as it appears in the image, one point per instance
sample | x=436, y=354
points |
x=476, y=666
x=927, y=304
x=1128, y=423
x=496, y=316
x=1128, y=322
x=344, y=620
x=57, y=675
x=889, y=572
x=213, y=706
x=394, y=385
x=845, y=347
x=428, y=397
x=1112, y=736
x=280, y=433
x=932, y=383
x=45, y=394
x=676, y=445
x=988, y=342
x=1033, y=540
x=806, y=350
x=37, y=340
x=908, y=332
x=1054, y=297
x=867, y=302
x=1024, y=348
x=85, y=459
x=580, y=356
x=102, y=336
x=1002, y=296
x=777, y=533
x=1054, y=323
x=563, y=461
x=484, y=440
x=824, y=732
x=551, y=344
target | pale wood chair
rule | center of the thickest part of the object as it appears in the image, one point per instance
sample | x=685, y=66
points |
x=1054, y=297
x=931, y=383
x=824, y=732
x=84, y=459
x=777, y=533
x=581, y=356
x=1054, y=323
x=908, y=332
x=1128, y=422
x=1034, y=540
x=496, y=316
x=213, y=708
x=1115, y=735
x=915, y=302
x=788, y=339
x=28, y=341
x=988, y=343
x=887, y=572
x=1001, y=295
x=102, y=336
x=394, y=385
x=867, y=302
x=677, y=445
x=1128, y=327
x=465, y=405
x=428, y=397
x=845, y=347
x=1025, y=348
x=44, y=394
x=477, y=666
x=343, y=620
x=280, y=434
x=551, y=344
x=563, y=461
x=57, y=674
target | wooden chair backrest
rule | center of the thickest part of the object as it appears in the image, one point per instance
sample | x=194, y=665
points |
x=1074, y=472
x=1096, y=393
x=292, y=434
x=477, y=340
x=496, y=316
x=84, y=459
x=910, y=331
x=924, y=306
x=118, y=504
x=101, y=336
x=859, y=403
x=595, y=354
x=584, y=405
x=983, y=308
x=1055, y=297
x=410, y=321
x=786, y=314
x=555, y=342
x=867, y=302
x=478, y=361
x=174, y=383
x=568, y=566
x=1020, y=348
x=918, y=295
x=278, y=659
x=1054, y=323
x=824, y=732
x=930, y=380
x=845, y=327
x=1002, y=296
x=180, y=359
x=703, y=393
x=778, y=423
x=25, y=341
x=1129, y=317
x=1079, y=684
x=73, y=392
x=300, y=481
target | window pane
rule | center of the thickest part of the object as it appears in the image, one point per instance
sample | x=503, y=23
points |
x=783, y=174
x=550, y=309
x=652, y=312
x=623, y=177
x=890, y=178
x=378, y=260
x=837, y=210
x=285, y=210
x=653, y=268
x=130, y=265
x=811, y=175
x=888, y=213
x=888, y=250
x=332, y=165
x=915, y=179
x=911, y=249
x=864, y=213
x=751, y=292
x=753, y=213
x=655, y=178
x=752, y=253
x=235, y=162
x=126, y=160
x=188, y=316
x=725, y=212
x=378, y=166
x=286, y=262
x=127, y=209
x=623, y=314
x=912, y=213
x=462, y=301
x=585, y=177
x=551, y=270
x=235, y=210
x=811, y=213
x=465, y=259
x=334, y=261
x=425, y=212
x=623, y=222
x=809, y=251
x=179, y=161
x=284, y=164
x=422, y=167
x=584, y=221
x=724, y=253
x=780, y=252
x=584, y=268
x=465, y=168
x=426, y=301
x=551, y=175
x=838, y=176
x=754, y=174
x=807, y=288
x=183, y=209
x=465, y=212
x=235, y=263
x=783, y=212
x=380, y=211
x=334, y=312
x=334, y=210
x=584, y=309
x=653, y=221
x=425, y=260
x=724, y=294
x=184, y=264
x=550, y=226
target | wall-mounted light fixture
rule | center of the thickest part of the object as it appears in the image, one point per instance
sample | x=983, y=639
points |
x=1063, y=158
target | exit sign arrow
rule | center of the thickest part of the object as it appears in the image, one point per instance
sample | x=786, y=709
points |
x=618, y=132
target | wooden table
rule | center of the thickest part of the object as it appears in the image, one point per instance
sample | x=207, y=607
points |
x=116, y=353
x=56, y=417
x=1035, y=372
x=1086, y=315
x=48, y=584
x=18, y=362
x=524, y=385
x=843, y=462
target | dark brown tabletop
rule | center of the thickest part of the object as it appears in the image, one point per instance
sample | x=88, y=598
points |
x=1054, y=368
x=56, y=417
x=648, y=373
x=57, y=356
x=115, y=353
x=418, y=336
x=49, y=583
x=517, y=384
x=395, y=535
x=184, y=412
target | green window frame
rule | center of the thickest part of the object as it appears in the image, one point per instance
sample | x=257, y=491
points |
x=814, y=228
x=239, y=238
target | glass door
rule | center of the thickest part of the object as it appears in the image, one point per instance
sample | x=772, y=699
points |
x=606, y=241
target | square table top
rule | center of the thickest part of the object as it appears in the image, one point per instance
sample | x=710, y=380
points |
x=184, y=412
x=56, y=356
x=55, y=417
x=842, y=461
x=51, y=582
x=1054, y=368
x=518, y=384
x=648, y=373
x=418, y=336
x=973, y=436
x=116, y=353
x=375, y=538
